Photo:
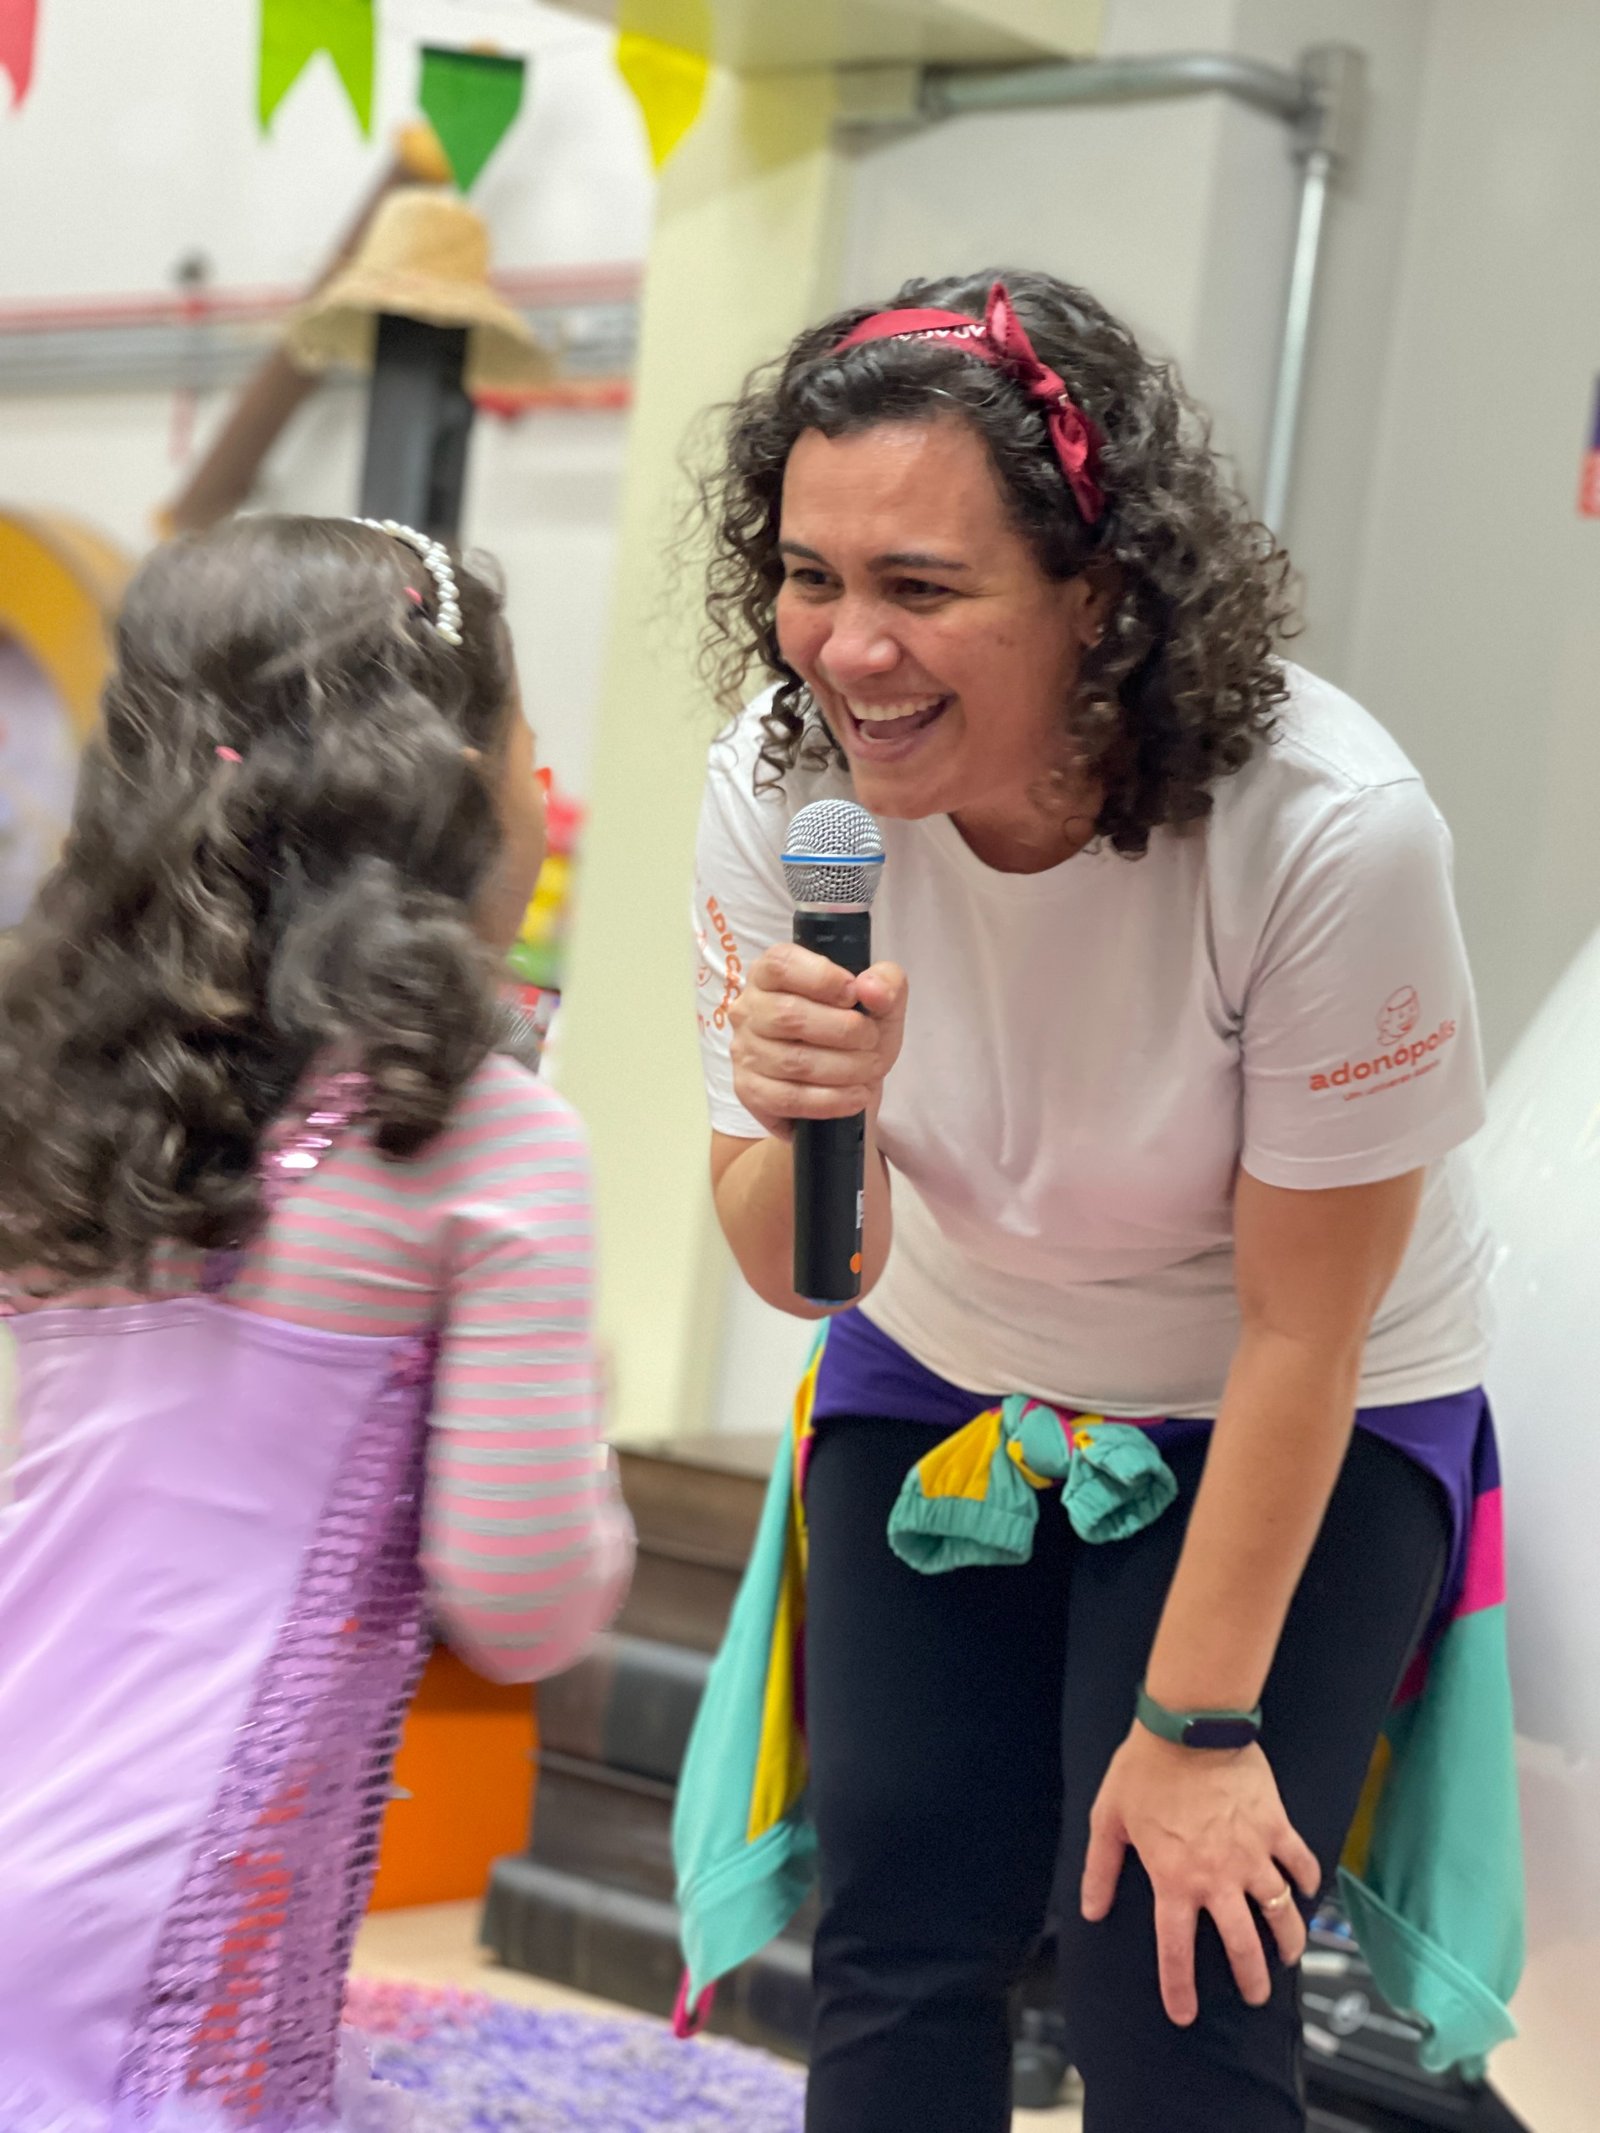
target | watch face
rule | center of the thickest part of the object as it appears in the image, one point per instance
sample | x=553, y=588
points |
x=1219, y=1733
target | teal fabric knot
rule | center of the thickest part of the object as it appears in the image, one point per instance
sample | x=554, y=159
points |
x=972, y=1501
x=1117, y=1482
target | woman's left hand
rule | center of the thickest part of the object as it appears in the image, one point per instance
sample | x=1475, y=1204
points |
x=1212, y=1833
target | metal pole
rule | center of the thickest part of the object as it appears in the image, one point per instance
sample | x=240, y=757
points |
x=1289, y=385
x=950, y=91
x=1335, y=76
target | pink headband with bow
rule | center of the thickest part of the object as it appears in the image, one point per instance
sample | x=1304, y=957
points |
x=1000, y=339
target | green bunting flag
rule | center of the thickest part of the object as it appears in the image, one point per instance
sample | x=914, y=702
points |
x=470, y=99
x=294, y=31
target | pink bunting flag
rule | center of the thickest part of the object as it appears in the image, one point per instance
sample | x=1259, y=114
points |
x=18, y=21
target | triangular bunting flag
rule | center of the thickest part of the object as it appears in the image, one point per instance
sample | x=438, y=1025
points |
x=664, y=55
x=19, y=19
x=294, y=31
x=470, y=99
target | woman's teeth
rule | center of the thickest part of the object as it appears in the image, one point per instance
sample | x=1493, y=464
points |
x=887, y=714
x=872, y=714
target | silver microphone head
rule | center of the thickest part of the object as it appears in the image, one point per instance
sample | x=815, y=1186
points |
x=834, y=855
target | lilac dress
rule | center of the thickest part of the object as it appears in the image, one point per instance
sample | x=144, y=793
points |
x=211, y=1621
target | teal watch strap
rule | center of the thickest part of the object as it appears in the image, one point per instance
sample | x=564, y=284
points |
x=1198, y=1729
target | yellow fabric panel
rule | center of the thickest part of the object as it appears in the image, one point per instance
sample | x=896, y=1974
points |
x=781, y=1767
x=805, y=1400
x=960, y=1465
x=1358, y=1845
x=780, y=1775
x=1014, y=1454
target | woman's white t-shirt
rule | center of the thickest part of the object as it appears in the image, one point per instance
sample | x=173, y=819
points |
x=1092, y=1052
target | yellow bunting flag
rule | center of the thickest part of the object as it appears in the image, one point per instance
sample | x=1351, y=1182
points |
x=294, y=31
x=664, y=55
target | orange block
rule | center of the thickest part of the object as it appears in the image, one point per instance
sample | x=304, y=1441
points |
x=466, y=1766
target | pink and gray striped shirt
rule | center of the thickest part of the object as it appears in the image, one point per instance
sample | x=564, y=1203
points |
x=485, y=1235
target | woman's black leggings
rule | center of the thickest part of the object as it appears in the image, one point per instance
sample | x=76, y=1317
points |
x=960, y=1726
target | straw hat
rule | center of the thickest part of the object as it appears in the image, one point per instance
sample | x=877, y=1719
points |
x=425, y=256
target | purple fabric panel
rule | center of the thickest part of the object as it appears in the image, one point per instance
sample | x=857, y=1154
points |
x=178, y=1461
x=243, y=1999
x=864, y=1372
x=362, y=2104
x=1453, y=1439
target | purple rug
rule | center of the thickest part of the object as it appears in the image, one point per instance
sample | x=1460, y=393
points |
x=473, y=2064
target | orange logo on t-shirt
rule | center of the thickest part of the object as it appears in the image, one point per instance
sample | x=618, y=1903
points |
x=1399, y=1014
x=732, y=963
x=1402, y=1062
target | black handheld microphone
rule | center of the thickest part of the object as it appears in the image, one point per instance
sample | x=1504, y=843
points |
x=833, y=862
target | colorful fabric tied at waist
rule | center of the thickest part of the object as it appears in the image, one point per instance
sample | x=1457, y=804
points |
x=1432, y=1877
x=974, y=1499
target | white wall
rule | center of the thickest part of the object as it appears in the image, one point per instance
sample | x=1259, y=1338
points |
x=1362, y=255
x=1114, y=198
x=1476, y=625
x=139, y=142
x=108, y=155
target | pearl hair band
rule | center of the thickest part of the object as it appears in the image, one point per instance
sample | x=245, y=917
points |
x=436, y=561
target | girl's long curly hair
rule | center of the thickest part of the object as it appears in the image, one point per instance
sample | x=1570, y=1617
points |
x=1183, y=686
x=280, y=830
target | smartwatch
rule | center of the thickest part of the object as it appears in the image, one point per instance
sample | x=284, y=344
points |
x=1198, y=1729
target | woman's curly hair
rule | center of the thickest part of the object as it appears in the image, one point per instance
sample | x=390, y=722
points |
x=281, y=827
x=1184, y=684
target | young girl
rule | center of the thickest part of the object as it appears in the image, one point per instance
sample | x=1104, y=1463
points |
x=299, y=1269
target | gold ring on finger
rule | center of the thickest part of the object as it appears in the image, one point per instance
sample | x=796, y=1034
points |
x=1276, y=1903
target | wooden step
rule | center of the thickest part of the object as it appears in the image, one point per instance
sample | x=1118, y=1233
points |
x=590, y=1903
x=623, y=1946
x=597, y=1824
x=629, y=1702
x=700, y=1494
x=676, y=1599
x=603, y=1825
x=696, y=1502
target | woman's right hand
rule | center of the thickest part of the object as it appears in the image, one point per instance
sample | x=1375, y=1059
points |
x=811, y=1041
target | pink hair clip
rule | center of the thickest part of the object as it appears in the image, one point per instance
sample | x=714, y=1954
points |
x=228, y=755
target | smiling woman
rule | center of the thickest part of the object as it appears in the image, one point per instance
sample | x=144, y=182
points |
x=1155, y=694
x=1149, y=891
x=941, y=671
